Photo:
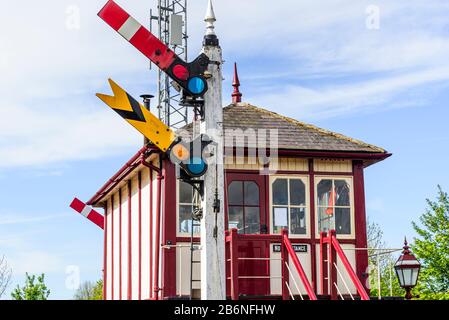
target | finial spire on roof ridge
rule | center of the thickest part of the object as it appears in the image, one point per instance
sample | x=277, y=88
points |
x=236, y=95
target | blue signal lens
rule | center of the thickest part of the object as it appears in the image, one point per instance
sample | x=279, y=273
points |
x=197, y=166
x=196, y=85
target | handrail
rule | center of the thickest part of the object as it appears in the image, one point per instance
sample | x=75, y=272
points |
x=294, y=281
x=338, y=291
x=344, y=281
x=348, y=267
x=289, y=290
x=297, y=264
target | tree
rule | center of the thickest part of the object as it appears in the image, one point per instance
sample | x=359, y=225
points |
x=90, y=291
x=381, y=263
x=432, y=248
x=5, y=275
x=32, y=290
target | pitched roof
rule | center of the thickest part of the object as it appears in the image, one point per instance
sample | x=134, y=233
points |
x=292, y=134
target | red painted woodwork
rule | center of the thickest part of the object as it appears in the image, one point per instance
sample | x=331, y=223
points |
x=169, y=235
x=347, y=265
x=324, y=271
x=287, y=248
x=120, y=243
x=332, y=273
x=312, y=223
x=256, y=245
x=360, y=224
x=139, y=181
x=105, y=253
x=254, y=248
x=151, y=233
x=234, y=268
x=330, y=244
x=112, y=246
x=120, y=175
x=284, y=270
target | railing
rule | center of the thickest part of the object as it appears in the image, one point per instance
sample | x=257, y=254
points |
x=329, y=250
x=287, y=245
x=287, y=251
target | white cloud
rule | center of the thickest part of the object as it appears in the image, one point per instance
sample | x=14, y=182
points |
x=6, y=219
x=336, y=100
x=35, y=262
x=50, y=73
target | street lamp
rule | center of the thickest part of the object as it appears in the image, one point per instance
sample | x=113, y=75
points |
x=407, y=270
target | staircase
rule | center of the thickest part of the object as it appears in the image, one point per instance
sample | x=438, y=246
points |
x=290, y=265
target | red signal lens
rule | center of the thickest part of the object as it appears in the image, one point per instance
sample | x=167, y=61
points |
x=180, y=72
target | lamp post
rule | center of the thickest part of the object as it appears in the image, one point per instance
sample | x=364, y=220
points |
x=407, y=270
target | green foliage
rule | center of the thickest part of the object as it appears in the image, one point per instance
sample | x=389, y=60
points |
x=90, y=291
x=381, y=266
x=432, y=248
x=32, y=290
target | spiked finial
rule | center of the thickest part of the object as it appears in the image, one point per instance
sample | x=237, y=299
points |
x=236, y=95
x=210, y=38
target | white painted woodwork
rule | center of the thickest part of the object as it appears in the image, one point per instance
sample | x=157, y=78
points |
x=183, y=269
x=145, y=234
x=350, y=254
x=109, y=250
x=334, y=165
x=135, y=237
x=275, y=271
x=116, y=254
x=124, y=243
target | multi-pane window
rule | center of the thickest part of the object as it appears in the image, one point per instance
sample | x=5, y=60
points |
x=244, y=207
x=289, y=205
x=185, y=208
x=334, y=205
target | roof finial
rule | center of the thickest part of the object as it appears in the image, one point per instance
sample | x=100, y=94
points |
x=236, y=95
x=210, y=38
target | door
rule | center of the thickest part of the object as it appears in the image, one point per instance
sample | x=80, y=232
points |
x=246, y=211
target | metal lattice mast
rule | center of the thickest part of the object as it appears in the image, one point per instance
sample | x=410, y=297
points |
x=171, y=20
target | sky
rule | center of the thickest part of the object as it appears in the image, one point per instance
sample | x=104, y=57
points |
x=373, y=70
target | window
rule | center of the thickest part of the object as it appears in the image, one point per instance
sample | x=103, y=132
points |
x=289, y=205
x=244, y=207
x=334, y=205
x=185, y=209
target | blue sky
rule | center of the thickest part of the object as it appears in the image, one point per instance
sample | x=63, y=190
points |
x=315, y=61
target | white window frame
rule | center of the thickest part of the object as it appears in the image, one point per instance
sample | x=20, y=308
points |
x=348, y=179
x=178, y=204
x=306, y=181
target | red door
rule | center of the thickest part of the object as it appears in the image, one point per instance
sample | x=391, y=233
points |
x=246, y=211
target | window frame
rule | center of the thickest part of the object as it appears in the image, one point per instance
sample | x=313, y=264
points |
x=244, y=206
x=350, y=181
x=306, y=180
x=178, y=204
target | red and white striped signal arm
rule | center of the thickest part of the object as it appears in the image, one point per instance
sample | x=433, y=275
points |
x=88, y=212
x=130, y=29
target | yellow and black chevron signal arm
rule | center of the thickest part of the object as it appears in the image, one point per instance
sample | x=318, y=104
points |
x=139, y=117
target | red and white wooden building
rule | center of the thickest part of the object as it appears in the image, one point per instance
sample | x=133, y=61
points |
x=316, y=184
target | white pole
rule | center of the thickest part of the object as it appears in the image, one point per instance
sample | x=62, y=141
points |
x=378, y=278
x=391, y=280
x=213, y=281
